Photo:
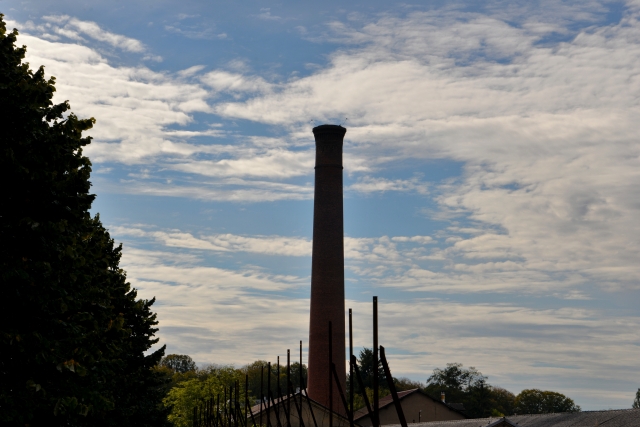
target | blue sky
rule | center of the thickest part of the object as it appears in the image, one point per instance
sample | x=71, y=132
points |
x=491, y=174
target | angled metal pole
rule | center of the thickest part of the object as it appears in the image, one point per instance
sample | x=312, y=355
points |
x=392, y=388
x=351, y=379
x=339, y=387
x=306, y=393
x=253, y=420
x=276, y=412
x=354, y=363
x=376, y=385
x=298, y=408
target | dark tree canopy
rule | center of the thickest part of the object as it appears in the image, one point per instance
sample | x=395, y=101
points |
x=73, y=334
x=454, y=380
x=534, y=401
x=636, y=401
x=365, y=364
x=178, y=363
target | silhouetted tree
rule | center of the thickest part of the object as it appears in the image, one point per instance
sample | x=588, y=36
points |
x=73, y=334
x=534, y=401
x=504, y=401
x=636, y=401
x=178, y=363
x=454, y=380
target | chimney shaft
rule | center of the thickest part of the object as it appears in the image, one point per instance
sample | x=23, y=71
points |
x=327, y=268
x=442, y=396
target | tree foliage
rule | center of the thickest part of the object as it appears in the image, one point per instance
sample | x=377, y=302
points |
x=72, y=332
x=636, y=401
x=178, y=363
x=455, y=381
x=212, y=382
x=534, y=401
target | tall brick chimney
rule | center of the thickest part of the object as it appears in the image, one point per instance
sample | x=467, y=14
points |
x=327, y=268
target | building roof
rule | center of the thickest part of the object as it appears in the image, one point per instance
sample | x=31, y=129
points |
x=611, y=418
x=255, y=409
x=388, y=400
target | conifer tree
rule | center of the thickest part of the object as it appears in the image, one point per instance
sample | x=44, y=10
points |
x=73, y=334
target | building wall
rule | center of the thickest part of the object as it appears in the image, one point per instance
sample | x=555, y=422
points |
x=411, y=407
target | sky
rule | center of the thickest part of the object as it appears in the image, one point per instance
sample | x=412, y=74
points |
x=491, y=174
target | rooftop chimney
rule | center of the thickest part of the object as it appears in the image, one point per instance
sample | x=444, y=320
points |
x=327, y=268
x=442, y=396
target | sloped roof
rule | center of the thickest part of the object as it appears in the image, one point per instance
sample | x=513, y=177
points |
x=255, y=409
x=388, y=400
x=611, y=418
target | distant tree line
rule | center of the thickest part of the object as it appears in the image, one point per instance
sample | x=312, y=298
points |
x=190, y=386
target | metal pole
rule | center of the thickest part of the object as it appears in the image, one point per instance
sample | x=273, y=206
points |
x=236, y=405
x=276, y=412
x=339, y=387
x=330, y=379
x=261, y=391
x=298, y=408
x=268, y=394
x=300, y=374
x=376, y=397
x=246, y=397
x=229, y=418
x=392, y=388
x=354, y=363
x=351, y=379
x=281, y=399
x=218, y=419
x=289, y=394
x=306, y=393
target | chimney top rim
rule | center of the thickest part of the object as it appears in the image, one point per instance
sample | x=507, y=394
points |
x=327, y=128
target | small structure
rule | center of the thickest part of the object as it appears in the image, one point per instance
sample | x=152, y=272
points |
x=417, y=406
x=612, y=418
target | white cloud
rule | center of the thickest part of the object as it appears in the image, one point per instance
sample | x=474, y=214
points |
x=368, y=184
x=73, y=27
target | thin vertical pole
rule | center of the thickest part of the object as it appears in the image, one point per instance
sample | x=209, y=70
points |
x=351, y=379
x=278, y=377
x=376, y=397
x=261, y=391
x=330, y=377
x=282, y=402
x=218, y=419
x=268, y=393
x=300, y=374
x=225, y=405
x=246, y=398
x=236, y=405
x=289, y=394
